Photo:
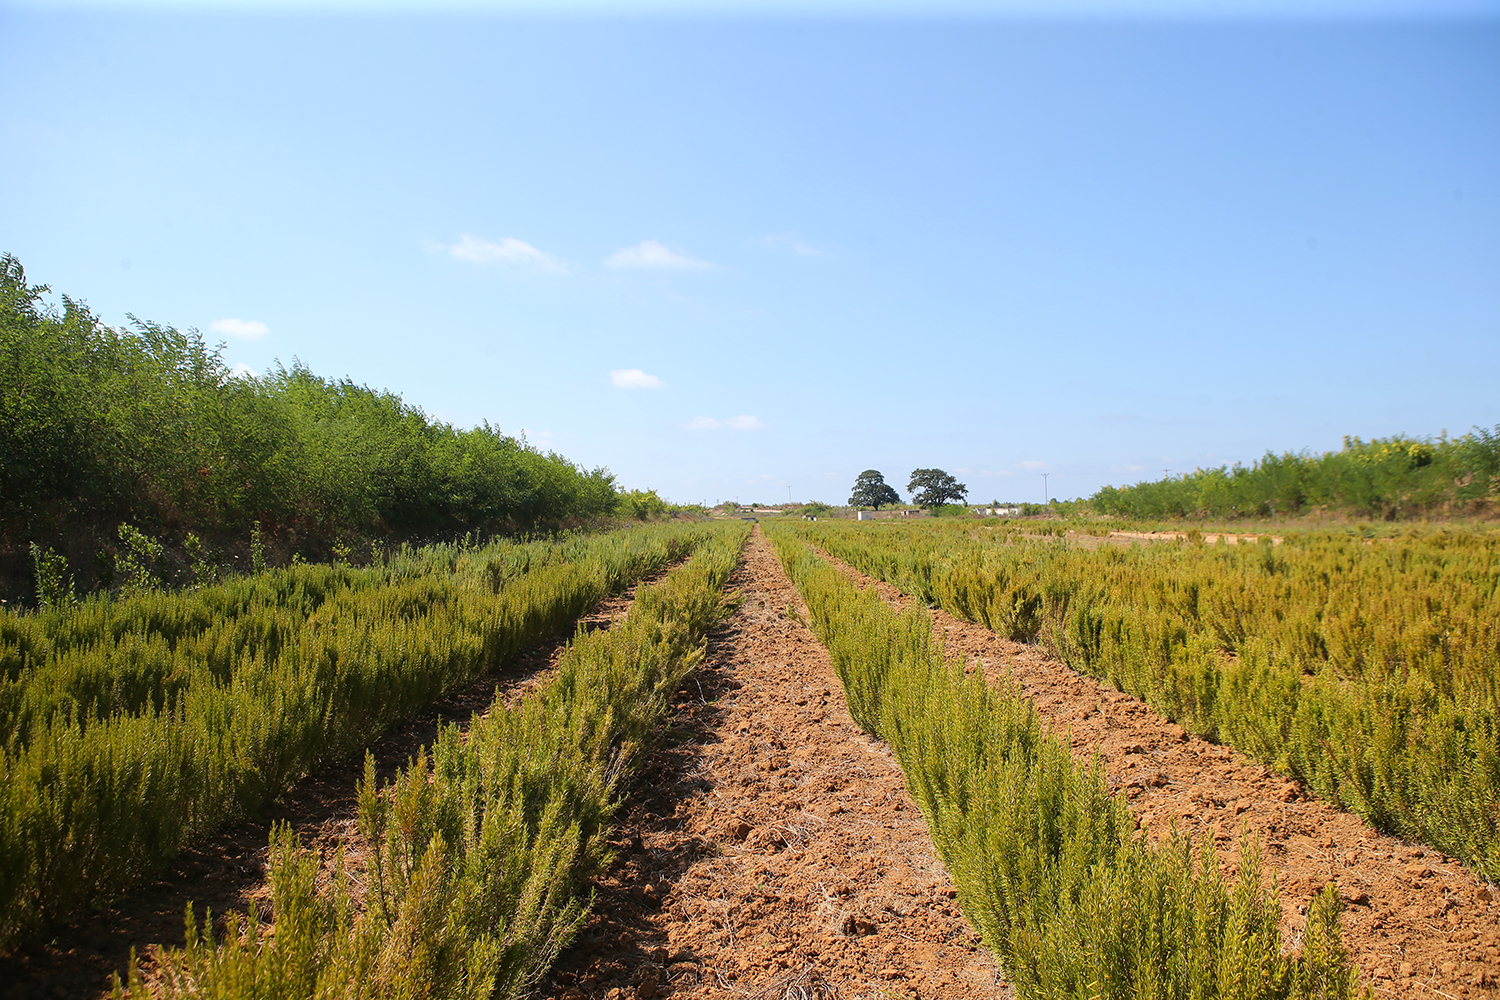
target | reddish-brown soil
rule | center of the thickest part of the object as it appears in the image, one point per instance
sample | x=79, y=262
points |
x=770, y=848
x=1417, y=923
x=228, y=871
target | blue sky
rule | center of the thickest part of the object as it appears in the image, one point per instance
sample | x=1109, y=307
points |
x=727, y=251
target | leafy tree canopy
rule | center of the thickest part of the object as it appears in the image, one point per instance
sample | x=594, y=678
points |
x=933, y=487
x=871, y=490
x=149, y=425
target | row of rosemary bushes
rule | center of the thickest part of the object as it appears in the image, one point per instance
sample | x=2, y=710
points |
x=1369, y=669
x=1049, y=866
x=482, y=848
x=132, y=726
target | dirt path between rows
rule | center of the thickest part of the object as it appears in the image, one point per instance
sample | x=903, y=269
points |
x=1418, y=924
x=228, y=872
x=769, y=849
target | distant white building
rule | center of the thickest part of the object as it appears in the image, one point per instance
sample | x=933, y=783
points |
x=864, y=515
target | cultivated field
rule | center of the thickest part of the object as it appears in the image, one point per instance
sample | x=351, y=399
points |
x=941, y=759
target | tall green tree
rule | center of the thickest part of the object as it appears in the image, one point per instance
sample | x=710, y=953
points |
x=933, y=487
x=871, y=490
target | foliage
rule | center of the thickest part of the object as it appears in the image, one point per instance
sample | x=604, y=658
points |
x=1049, y=867
x=149, y=426
x=871, y=490
x=950, y=510
x=1368, y=668
x=483, y=848
x=645, y=505
x=815, y=509
x=933, y=487
x=54, y=584
x=133, y=726
x=1385, y=478
x=138, y=564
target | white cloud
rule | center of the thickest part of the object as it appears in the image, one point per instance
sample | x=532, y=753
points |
x=244, y=329
x=508, y=250
x=633, y=378
x=651, y=253
x=1032, y=466
x=744, y=422
x=241, y=370
x=790, y=241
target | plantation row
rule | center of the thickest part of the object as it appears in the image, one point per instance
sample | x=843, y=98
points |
x=1045, y=861
x=133, y=726
x=484, y=848
x=1367, y=669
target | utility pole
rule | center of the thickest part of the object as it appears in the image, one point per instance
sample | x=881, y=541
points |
x=1046, y=498
x=788, y=496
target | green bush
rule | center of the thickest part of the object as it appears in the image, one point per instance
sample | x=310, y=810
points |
x=1388, y=478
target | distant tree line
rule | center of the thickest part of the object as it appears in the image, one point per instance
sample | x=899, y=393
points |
x=148, y=425
x=1385, y=478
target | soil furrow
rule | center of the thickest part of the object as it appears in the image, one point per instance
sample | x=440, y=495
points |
x=228, y=871
x=770, y=849
x=1417, y=923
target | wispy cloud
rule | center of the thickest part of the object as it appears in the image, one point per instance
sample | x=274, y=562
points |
x=743, y=422
x=652, y=253
x=790, y=241
x=243, y=329
x=633, y=378
x=1032, y=466
x=507, y=250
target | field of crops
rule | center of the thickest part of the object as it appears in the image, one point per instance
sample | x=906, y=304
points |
x=485, y=846
x=1042, y=856
x=135, y=725
x=139, y=724
x=1367, y=668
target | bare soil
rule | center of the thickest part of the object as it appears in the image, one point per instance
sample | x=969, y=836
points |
x=228, y=872
x=770, y=849
x=1209, y=537
x=1416, y=922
